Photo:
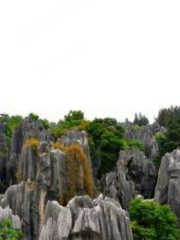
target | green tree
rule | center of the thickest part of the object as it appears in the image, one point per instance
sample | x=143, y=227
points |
x=33, y=116
x=140, y=120
x=74, y=115
x=107, y=135
x=152, y=221
x=165, y=115
x=46, y=123
x=74, y=119
x=7, y=232
x=170, y=140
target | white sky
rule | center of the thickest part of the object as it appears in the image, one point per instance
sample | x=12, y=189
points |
x=107, y=58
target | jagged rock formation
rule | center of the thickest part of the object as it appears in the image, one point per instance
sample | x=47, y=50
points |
x=7, y=214
x=168, y=183
x=28, y=129
x=86, y=219
x=43, y=177
x=135, y=174
x=145, y=135
x=79, y=137
x=3, y=158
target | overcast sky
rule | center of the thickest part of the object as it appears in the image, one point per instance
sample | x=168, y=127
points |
x=107, y=58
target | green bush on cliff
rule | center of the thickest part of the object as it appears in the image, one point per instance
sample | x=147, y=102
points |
x=107, y=135
x=135, y=144
x=7, y=232
x=33, y=116
x=152, y=221
x=74, y=119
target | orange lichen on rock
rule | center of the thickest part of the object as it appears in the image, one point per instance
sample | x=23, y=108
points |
x=34, y=142
x=75, y=161
x=60, y=146
x=32, y=185
x=18, y=175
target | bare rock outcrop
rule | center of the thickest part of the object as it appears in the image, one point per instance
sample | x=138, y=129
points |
x=146, y=135
x=3, y=158
x=45, y=174
x=86, y=219
x=168, y=183
x=134, y=174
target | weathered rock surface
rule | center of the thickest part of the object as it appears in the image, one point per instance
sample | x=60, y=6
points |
x=7, y=214
x=28, y=129
x=168, y=183
x=145, y=135
x=135, y=174
x=77, y=137
x=43, y=177
x=86, y=219
x=3, y=158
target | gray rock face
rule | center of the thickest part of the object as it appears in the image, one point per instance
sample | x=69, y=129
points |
x=3, y=158
x=28, y=129
x=79, y=137
x=168, y=183
x=24, y=203
x=7, y=214
x=86, y=219
x=44, y=177
x=135, y=174
x=145, y=135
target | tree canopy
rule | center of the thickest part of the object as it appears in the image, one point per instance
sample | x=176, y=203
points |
x=152, y=221
x=7, y=232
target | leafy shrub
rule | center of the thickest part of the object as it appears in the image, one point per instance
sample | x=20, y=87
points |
x=107, y=135
x=136, y=128
x=152, y=221
x=74, y=120
x=46, y=124
x=135, y=144
x=74, y=115
x=7, y=232
x=33, y=116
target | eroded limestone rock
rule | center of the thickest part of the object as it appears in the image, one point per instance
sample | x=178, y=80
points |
x=86, y=219
x=134, y=174
x=168, y=183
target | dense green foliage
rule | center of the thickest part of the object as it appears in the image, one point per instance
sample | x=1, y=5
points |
x=105, y=138
x=107, y=135
x=165, y=115
x=33, y=116
x=74, y=119
x=74, y=115
x=46, y=124
x=7, y=232
x=140, y=120
x=152, y=221
x=133, y=143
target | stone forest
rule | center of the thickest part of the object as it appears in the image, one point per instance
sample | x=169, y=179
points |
x=90, y=180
